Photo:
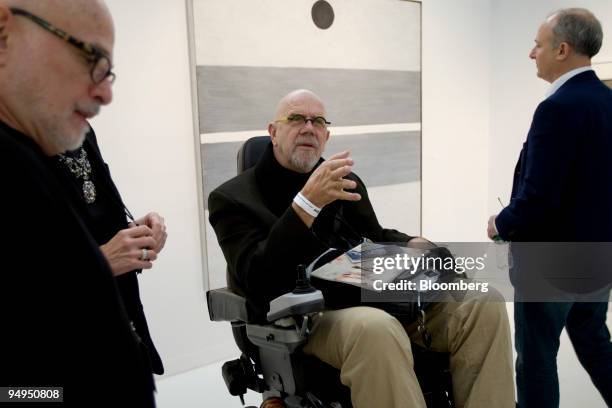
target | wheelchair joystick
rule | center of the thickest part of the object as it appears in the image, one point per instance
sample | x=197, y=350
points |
x=302, y=284
x=304, y=299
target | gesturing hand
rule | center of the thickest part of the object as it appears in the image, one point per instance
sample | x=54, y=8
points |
x=124, y=251
x=326, y=184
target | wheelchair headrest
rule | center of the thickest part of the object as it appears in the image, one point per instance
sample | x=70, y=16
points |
x=250, y=152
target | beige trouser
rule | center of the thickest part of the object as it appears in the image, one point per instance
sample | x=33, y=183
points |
x=372, y=350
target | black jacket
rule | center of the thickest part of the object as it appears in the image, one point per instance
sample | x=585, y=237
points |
x=63, y=321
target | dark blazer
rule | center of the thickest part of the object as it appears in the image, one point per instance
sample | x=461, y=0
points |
x=562, y=194
x=264, y=240
x=562, y=188
x=63, y=322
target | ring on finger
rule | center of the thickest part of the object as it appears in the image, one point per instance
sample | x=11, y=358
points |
x=144, y=256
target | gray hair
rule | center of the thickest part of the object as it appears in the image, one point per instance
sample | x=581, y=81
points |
x=579, y=28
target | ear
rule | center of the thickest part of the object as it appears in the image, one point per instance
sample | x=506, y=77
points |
x=563, y=51
x=326, y=135
x=272, y=133
x=5, y=20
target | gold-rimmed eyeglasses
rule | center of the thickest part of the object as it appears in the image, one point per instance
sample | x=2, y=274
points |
x=301, y=120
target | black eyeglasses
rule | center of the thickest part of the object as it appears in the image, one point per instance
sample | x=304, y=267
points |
x=101, y=66
x=298, y=119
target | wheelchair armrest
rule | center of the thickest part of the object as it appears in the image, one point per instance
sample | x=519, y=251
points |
x=225, y=305
x=295, y=304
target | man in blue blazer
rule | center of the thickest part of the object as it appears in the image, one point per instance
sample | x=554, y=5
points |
x=562, y=192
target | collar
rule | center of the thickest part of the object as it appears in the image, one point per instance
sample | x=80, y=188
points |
x=278, y=184
x=269, y=166
x=559, y=82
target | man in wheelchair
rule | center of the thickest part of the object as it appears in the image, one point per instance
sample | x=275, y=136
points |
x=292, y=206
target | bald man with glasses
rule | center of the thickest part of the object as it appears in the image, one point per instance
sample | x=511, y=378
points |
x=291, y=207
x=64, y=324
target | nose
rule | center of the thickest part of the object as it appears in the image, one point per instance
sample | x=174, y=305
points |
x=103, y=92
x=308, y=125
x=532, y=53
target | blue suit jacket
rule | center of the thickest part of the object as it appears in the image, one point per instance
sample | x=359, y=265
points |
x=562, y=189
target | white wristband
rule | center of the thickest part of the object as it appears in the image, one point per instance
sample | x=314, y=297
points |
x=306, y=205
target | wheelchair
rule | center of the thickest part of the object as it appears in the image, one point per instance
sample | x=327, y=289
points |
x=272, y=362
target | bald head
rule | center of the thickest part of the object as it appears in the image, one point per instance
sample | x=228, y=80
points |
x=47, y=86
x=294, y=98
x=70, y=15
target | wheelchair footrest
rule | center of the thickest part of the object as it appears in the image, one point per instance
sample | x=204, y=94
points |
x=239, y=375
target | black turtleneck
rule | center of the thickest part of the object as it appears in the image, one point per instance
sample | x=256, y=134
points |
x=278, y=184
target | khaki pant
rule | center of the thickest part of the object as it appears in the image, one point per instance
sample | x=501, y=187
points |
x=372, y=351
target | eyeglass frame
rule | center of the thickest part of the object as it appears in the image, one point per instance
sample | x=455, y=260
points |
x=289, y=119
x=93, y=53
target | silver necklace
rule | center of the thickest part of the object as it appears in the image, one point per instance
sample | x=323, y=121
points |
x=80, y=167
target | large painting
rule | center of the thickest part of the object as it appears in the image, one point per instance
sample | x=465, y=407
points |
x=362, y=57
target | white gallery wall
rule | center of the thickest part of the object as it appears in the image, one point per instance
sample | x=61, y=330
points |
x=456, y=118
x=479, y=91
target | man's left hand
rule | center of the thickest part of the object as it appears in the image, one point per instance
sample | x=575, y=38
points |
x=491, y=228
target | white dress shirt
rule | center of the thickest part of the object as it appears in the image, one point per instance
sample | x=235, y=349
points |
x=554, y=87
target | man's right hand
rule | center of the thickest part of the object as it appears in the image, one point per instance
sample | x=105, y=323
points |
x=326, y=184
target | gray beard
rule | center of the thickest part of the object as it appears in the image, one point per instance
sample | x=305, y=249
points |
x=304, y=162
x=63, y=143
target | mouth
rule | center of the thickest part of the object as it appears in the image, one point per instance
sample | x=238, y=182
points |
x=307, y=144
x=85, y=111
x=84, y=114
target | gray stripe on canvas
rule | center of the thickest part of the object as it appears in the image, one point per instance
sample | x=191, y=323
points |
x=380, y=159
x=244, y=98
